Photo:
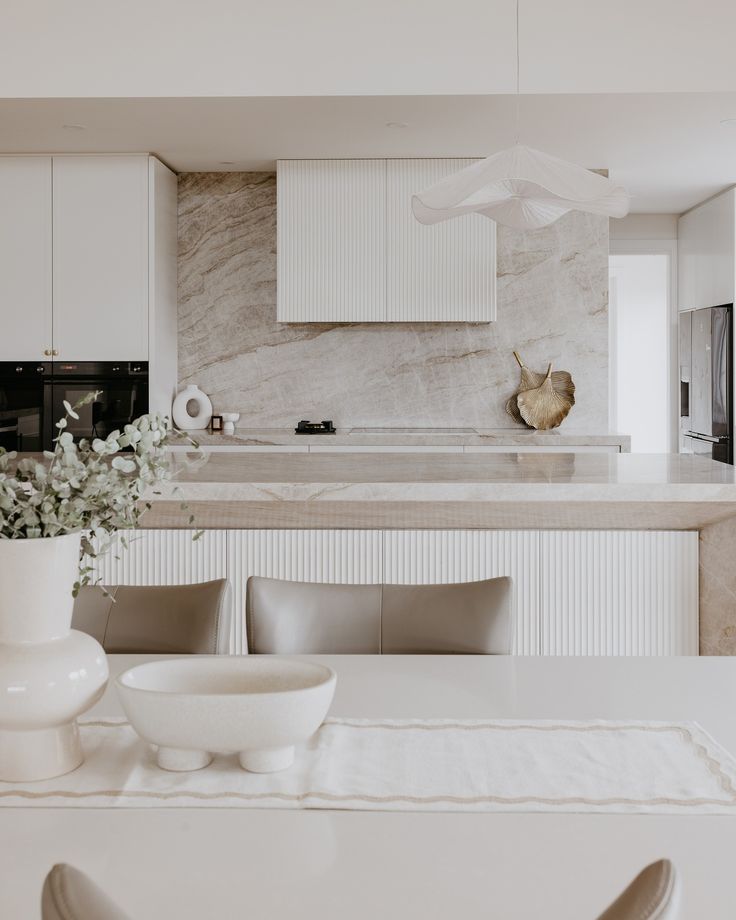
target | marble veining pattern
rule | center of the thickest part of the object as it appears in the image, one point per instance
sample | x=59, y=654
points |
x=552, y=305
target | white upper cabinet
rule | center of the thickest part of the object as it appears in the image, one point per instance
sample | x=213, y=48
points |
x=350, y=250
x=100, y=262
x=706, y=241
x=331, y=241
x=25, y=258
x=442, y=273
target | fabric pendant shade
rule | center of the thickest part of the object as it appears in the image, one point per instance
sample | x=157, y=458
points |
x=521, y=188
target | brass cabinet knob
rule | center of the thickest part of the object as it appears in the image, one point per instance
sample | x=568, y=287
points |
x=47, y=352
x=54, y=351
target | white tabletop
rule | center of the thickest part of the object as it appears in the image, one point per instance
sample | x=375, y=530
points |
x=194, y=862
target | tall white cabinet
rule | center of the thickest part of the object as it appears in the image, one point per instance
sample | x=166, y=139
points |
x=350, y=250
x=25, y=258
x=100, y=228
x=88, y=263
x=706, y=252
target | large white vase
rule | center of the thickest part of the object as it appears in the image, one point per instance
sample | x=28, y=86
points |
x=49, y=673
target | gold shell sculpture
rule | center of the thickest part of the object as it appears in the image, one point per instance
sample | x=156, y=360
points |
x=561, y=382
x=544, y=407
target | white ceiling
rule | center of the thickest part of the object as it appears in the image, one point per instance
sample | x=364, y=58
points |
x=183, y=48
x=669, y=149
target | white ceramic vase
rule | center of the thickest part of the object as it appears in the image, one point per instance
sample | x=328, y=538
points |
x=49, y=674
x=185, y=417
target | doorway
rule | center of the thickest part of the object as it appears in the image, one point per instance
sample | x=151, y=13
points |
x=642, y=338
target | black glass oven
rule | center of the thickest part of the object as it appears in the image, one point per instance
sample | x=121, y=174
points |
x=22, y=404
x=122, y=396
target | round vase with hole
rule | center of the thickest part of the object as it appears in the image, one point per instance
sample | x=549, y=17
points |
x=192, y=409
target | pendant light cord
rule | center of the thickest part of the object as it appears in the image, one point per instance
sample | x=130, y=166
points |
x=518, y=91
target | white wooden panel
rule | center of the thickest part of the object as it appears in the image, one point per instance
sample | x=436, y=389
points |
x=619, y=593
x=100, y=258
x=25, y=258
x=706, y=243
x=162, y=297
x=331, y=241
x=447, y=556
x=443, y=273
x=165, y=557
x=332, y=556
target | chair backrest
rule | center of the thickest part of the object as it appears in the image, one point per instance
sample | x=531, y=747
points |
x=653, y=895
x=69, y=894
x=157, y=619
x=292, y=617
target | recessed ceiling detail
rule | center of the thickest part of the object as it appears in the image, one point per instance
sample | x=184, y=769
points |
x=669, y=150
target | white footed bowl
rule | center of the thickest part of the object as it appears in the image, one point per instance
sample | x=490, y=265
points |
x=258, y=706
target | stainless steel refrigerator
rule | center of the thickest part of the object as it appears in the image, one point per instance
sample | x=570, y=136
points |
x=706, y=382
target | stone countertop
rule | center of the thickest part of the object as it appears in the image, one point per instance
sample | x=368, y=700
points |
x=417, y=437
x=499, y=490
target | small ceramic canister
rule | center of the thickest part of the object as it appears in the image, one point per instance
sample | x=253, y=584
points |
x=229, y=419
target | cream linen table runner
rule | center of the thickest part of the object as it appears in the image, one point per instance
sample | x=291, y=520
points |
x=413, y=765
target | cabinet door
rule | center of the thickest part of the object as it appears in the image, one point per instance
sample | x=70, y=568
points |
x=101, y=258
x=707, y=253
x=688, y=260
x=720, y=250
x=443, y=273
x=331, y=241
x=25, y=258
x=618, y=592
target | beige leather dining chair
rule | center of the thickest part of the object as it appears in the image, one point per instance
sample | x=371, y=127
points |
x=294, y=617
x=69, y=894
x=157, y=619
x=653, y=895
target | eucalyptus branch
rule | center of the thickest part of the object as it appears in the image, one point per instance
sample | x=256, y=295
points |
x=95, y=486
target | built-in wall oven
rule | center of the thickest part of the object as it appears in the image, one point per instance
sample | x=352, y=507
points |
x=32, y=397
x=21, y=404
x=122, y=388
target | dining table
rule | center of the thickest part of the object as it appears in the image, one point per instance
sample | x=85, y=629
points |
x=269, y=863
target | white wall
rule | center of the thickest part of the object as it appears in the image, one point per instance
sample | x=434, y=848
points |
x=340, y=47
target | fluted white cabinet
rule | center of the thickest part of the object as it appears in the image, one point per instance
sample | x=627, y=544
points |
x=618, y=592
x=350, y=250
x=331, y=227
x=440, y=273
x=575, y=593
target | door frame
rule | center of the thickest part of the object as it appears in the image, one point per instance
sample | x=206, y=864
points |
x=653, y=247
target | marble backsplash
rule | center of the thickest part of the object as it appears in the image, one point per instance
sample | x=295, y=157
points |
x=552, y=306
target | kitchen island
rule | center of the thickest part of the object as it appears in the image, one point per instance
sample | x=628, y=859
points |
x=609, y=553
x=412, y=490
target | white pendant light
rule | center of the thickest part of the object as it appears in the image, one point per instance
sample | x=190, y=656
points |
x=520, y=187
